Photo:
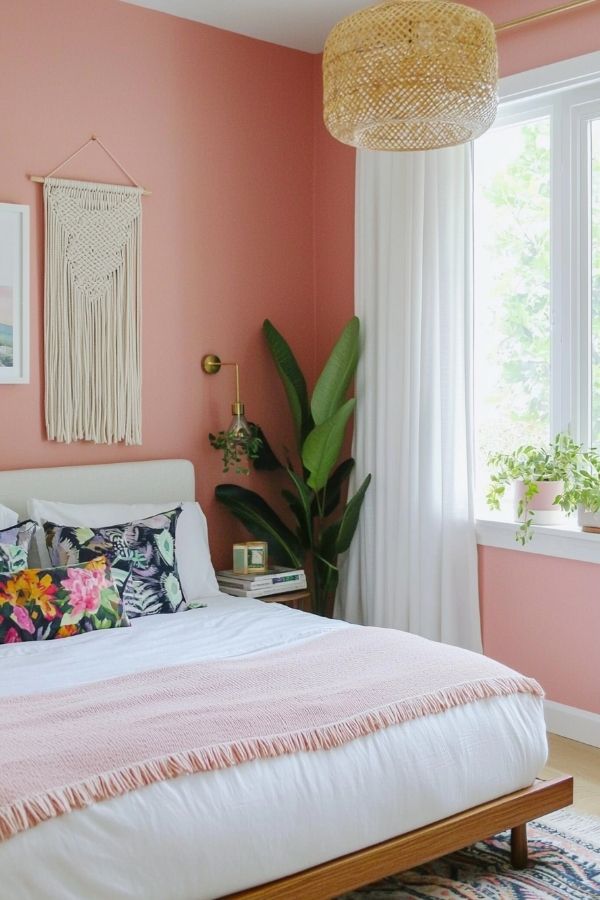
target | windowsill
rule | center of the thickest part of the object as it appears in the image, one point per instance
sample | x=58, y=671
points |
x=565, y=541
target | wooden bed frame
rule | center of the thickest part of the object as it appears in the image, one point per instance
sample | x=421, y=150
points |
x=330, y=879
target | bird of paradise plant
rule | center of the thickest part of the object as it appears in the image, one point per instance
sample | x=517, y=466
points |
x=320, y=528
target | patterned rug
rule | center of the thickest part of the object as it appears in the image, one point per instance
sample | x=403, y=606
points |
x=564, y=864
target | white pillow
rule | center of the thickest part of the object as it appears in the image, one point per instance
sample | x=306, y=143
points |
x=196, y=571
x=8, y=517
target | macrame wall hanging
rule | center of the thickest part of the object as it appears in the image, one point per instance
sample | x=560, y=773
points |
x=92, y=309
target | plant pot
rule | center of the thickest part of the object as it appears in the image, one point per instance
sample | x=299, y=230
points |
x=542, y=505
x=588, y=520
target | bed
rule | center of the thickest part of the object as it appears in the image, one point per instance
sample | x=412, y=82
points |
x=301, y=825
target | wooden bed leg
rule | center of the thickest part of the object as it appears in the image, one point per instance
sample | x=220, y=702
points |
x=518, y=847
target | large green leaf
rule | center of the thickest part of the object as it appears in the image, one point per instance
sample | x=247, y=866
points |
x=305, y=499
x=292, y=379
x=349, y=520
x=337, y=537
x=266, y=461
x=323, y=445
x=326, y=582
x=334, y=381
x=326, y=548
x=325, y=571
x=298, y=512
x=261, y=521
x=333, y=488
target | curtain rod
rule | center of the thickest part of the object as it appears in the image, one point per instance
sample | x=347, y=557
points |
x=543, y=14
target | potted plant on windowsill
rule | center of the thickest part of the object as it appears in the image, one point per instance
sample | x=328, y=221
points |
x=544, y=480
x=582, y=495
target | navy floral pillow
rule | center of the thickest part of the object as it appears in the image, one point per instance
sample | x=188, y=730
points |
x=12, y=559
x=146, y=549
x=14, y=546
x=19, y=535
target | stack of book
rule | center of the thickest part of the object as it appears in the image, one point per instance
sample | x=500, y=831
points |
x=277, y=580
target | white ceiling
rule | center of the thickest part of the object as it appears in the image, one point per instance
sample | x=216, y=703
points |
x=302, y=24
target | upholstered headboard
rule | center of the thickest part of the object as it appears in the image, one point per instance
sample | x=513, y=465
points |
x=154, y=481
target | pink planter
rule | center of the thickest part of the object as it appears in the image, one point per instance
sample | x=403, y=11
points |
x=542, y=504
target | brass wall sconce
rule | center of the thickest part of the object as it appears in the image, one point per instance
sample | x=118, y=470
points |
x=239, y=426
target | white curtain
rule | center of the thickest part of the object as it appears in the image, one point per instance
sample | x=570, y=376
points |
x=413, y=562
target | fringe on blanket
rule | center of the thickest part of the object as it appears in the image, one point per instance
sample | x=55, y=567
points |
x=25, y=813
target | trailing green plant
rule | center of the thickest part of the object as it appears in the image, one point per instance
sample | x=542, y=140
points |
x=562, y=460
x=237, y=448
x=318, y=529
x=584, y=488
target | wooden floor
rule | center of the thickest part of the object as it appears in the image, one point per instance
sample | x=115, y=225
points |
x=581, y=761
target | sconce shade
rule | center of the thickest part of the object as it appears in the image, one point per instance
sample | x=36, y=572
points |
x=410, y=75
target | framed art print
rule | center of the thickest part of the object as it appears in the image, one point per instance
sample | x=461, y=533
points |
x=14, y=294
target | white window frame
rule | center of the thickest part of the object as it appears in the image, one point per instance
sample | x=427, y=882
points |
x=535, y=93
x=581, y=288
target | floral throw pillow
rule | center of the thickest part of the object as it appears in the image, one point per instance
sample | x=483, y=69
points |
x=12, y=559
x=146, y=549
x=14, y=546
x=41, y=604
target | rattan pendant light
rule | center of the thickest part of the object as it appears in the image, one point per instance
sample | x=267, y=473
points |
x=410, y=75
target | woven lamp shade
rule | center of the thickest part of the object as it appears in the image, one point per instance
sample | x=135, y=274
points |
x=410, y=75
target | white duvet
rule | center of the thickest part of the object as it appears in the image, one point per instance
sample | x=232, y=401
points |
x=207, y=835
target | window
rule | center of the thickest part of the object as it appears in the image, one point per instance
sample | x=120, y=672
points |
x=537, y=270
x=512, y=277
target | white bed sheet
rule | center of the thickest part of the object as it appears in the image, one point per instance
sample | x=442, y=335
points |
x=206, y=835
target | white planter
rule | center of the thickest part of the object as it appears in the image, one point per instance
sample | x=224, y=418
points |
x=588, y=521
x=542, y=504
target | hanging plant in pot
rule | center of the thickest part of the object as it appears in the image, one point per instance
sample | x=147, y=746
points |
x=542, y=478
x=238, y=448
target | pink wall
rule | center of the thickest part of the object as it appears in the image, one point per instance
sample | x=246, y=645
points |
x=540, y=43
x=540, y=614
x=333, y=230
x=220, y=128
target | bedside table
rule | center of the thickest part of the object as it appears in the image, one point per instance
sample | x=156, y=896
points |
x=294, y=599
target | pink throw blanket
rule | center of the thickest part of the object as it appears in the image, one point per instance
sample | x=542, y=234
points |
x=65, y=750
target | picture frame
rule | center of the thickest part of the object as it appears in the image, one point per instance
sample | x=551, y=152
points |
x=14, y=293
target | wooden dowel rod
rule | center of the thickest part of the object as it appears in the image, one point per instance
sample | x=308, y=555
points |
x=40, y=179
